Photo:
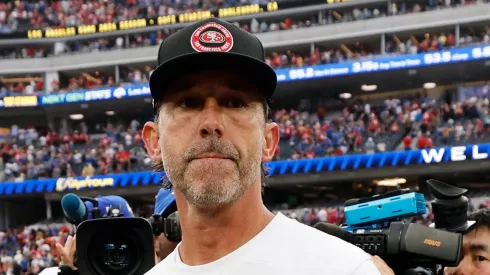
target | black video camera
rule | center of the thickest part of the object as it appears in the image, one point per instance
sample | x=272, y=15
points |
x=114, y=243
x=376, y=224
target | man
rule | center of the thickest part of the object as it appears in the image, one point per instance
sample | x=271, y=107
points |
x=476, y=247
x=212, y=94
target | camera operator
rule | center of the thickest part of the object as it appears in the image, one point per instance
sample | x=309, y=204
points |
x=165, y=247
x=212, y=96
x=476, y=247
x=67, y=256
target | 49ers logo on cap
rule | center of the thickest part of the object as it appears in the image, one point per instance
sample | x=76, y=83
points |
x=212, y=37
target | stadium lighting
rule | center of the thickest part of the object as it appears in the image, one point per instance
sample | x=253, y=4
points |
x=390, y=182
x=76, y=116
x=110, y=113
x=369, y=88
x=345, y=95
x=429, y=85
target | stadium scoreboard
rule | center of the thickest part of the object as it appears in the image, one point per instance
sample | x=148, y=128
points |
x=159, y=21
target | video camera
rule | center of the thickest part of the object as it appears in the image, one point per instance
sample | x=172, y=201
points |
x=375, y=224
x=110, y=240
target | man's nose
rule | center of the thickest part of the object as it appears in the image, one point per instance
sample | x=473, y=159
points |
x=211, y=122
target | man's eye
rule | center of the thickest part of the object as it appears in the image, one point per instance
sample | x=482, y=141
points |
x=480, y=258
x=235, y=103
x=189, y=103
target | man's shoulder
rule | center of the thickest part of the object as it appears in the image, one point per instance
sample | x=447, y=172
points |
x=321, y=242
x=313, y=247
x=163, y=265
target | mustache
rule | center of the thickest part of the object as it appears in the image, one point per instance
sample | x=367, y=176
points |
x=211, y=145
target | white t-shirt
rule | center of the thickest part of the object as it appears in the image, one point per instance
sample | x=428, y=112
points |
x=284, y=247
x=50, y=271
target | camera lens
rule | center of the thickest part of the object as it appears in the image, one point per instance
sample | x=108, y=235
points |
x=117, y=256
x=114, y=253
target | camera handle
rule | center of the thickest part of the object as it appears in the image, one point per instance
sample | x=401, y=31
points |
x=114, y=211
x=170, y=226
x=96, y=214
x=66, y=270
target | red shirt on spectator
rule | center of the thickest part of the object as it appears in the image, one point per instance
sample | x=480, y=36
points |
x=66, y=138
x=479, y=125
x=102, y=167
x=76, y=137
x=52, y=137
x=434, y=44
x=104, y=141
x=407, y=142
x=39, y=85
x=333, y=216
x=288, y=131
x=288, y=23
x=395, y=127
x=358, y=140
x=83, y=137
x=315, y=57
x=276, y=61
x=325, y=127
x=429, y=143
x=450, y=39
x=422, y=143
x=373, y=125
x=122, y=156
x=338, y=151
x=424, y=45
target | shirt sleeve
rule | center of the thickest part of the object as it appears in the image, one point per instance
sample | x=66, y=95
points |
x=366, y=268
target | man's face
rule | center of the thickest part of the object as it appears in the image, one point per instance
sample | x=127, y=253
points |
x=476, y=254
x=212, y=137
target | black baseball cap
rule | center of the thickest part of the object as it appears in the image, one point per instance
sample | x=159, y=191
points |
x=212, y=44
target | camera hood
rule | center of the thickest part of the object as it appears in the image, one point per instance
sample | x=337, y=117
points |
x=450, y=207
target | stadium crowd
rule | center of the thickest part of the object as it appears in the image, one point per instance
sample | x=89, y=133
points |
x=69, y=13
x=414, y=122
x=76, y=13
x=287, y=59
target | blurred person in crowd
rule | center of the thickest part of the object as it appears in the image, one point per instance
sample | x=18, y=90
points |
x=370, y=146
x=476, y=247
x=212, y=93
x=88, y=170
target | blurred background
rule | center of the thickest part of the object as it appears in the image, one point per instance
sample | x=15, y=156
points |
x=373, y=95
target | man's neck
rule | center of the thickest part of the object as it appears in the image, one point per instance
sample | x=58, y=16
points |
x=208, y=235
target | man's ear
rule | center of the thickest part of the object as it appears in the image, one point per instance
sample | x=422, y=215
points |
x=152, y=140
x=271, y=141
